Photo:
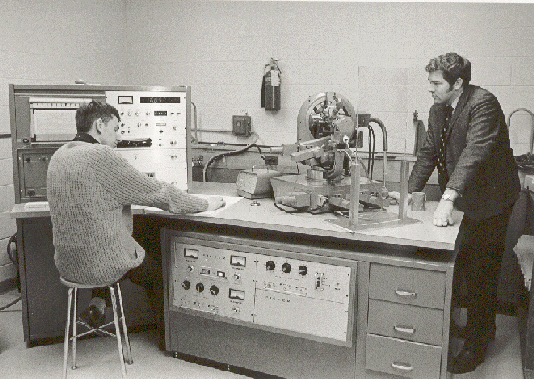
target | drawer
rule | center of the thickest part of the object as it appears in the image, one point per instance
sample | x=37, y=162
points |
x=407, y=285
x=398, y=357
x=405, y=321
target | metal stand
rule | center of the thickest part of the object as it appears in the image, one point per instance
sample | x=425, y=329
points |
x=376, y=219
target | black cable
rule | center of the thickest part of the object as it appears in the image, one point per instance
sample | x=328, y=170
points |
x=226, y=154
x=12, y=258
x=369, y=137
x=372, y=150
x=373, y=155
x=295, y=210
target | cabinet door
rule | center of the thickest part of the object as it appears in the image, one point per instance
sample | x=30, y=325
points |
x=44, y=298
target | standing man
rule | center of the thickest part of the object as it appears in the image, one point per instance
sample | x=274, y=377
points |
x=89, y=186
x=467, y=140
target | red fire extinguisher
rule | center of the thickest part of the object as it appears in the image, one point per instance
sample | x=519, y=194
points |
x=270, y=86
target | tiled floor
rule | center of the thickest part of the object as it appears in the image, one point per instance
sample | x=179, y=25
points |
x=43, y=362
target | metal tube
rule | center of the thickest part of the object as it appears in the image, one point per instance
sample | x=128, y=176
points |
x=403, y=199
x=354, y=192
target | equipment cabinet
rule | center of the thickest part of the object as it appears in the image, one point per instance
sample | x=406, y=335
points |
x=400, y=305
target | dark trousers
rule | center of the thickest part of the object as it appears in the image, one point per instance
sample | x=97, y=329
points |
x=480, y=245
x=149, y=274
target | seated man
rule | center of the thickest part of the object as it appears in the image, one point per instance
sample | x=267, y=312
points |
x=89, y=185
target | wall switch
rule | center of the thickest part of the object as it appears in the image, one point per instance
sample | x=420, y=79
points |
x=241, y=125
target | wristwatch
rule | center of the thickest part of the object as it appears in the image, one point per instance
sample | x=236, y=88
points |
x=447, y=197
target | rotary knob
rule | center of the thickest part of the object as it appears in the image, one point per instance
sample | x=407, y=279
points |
x=286, y=267
x=186, y=284
x=200, y=287
x=214, y=290
x=270, y=265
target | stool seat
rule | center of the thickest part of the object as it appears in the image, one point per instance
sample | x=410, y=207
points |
x=73, y=288
x=68, y=283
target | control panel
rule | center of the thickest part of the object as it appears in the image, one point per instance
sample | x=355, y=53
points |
x=32, y=166
x=284, y=294
x=153, y=132
x=150, y=118
x=155, y=123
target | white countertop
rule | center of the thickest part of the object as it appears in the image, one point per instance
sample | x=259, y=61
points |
x=245, y=213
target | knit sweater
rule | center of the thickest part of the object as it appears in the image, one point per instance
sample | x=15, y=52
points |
x=88, y=186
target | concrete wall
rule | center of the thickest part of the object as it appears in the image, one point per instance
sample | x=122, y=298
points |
x=372, y=53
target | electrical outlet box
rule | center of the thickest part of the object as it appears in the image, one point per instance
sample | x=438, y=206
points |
x=529, y=182
x=271, y=160
x=241, y=125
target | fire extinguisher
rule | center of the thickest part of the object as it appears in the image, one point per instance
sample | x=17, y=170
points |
x=270, y=86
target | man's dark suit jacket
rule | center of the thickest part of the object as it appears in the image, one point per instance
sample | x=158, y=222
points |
x=479, y=160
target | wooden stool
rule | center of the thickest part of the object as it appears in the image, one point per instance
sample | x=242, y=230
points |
x=71, y=309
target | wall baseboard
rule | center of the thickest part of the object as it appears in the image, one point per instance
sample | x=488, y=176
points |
x=8, y=273
x=8, y=285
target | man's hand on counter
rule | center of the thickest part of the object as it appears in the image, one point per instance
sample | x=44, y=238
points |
x=443, y=213
x=215, y=202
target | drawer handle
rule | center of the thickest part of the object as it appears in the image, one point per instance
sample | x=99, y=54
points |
x=402, y=366
x=404, y=329
x=404, y=293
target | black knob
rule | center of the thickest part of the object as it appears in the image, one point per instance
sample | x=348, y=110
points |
x=214, y=290
x=186, y=284
x=270, y=265
x=303, y=270
x=286, y=267
x=200, y=287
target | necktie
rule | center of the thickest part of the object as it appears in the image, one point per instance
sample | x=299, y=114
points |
x=442, y=166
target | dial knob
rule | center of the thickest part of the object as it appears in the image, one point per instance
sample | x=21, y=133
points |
x=186, y=284
x=200, y=287
x=214, y=290
x=286, y=267
x=270, y=265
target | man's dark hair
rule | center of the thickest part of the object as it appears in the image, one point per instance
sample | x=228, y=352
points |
x=453, y=66
x=86, y=114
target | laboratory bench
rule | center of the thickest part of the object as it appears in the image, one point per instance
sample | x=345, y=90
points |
x=369, y=303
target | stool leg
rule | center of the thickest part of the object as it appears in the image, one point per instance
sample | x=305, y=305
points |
x=67, y=329
x=74, y=335
x=128, y=349
x=117, y=330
